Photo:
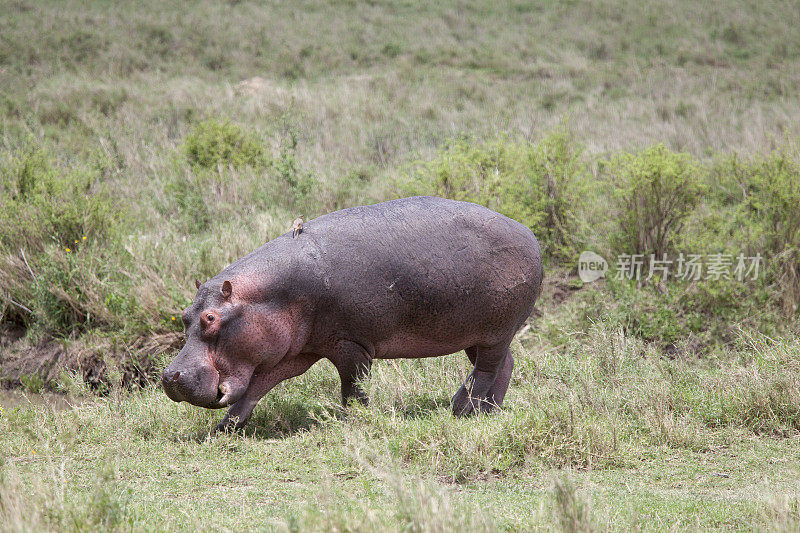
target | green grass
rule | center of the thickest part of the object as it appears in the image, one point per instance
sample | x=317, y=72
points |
x=143, y=148
x=584, y=443
x=162, y=133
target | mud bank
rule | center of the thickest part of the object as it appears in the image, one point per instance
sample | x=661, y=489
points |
x=37, y=365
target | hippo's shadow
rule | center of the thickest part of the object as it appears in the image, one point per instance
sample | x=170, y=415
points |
x=290, y=417
x=287, y=418
x=272, y=423
x=423, y=407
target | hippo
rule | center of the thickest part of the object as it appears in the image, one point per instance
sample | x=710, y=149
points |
x=409, y=278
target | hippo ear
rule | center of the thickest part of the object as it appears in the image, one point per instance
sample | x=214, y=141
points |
x=226, y=289
x=197, y=283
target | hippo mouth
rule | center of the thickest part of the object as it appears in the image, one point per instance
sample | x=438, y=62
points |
x=228, y=394
x=196, y=386
x=204, y=390
x=224, y=398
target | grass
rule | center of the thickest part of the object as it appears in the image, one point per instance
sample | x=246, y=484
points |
x=110, y=108
x=141, y=149
x=583, y=445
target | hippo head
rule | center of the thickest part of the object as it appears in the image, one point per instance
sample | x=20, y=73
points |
x=227, y=337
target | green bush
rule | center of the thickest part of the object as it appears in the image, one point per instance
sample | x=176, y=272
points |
x=221, y=145
x=536, y=184
x=301, y=183
x=69, y=290
x=772, y=189
x=187, y=198
x=43, y=204
x=216, y=146
x=49, y=216
x=682, y=317
x=653, y=193
x=63, y=295
x=754, y=208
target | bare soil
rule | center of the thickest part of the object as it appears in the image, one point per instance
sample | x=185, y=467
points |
x=99, y=361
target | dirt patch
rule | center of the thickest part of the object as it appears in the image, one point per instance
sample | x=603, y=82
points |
x=100, y=361
x=559, y=287
x=11, y=333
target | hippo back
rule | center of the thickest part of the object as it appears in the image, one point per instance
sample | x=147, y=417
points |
x=413, y=277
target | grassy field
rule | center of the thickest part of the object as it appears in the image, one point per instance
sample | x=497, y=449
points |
x=601, y=437
x=141, y=147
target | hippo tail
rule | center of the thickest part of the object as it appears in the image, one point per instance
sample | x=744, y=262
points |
x=541, y=280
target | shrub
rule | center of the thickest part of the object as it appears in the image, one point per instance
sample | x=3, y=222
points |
x=654, y=191
x=535, y=184
x=771, y=190
x=218, y=146
x=221, y=145
x=42, y=204
x=753, y=209
x=64, y=292
x=47, y=217
x=187, y=198
x=301, y=183
x=682, y=318
x=557, y=168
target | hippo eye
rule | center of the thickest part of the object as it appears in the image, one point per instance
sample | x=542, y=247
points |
x=210, y=317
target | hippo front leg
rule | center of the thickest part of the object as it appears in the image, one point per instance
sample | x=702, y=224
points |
x=353, y=362
x=260, y=384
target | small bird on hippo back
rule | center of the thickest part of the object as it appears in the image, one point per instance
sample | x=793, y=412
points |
x=297, y=227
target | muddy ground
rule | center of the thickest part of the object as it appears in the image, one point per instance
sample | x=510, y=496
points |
x=37, y=365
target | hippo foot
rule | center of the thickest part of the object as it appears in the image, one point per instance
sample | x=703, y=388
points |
x=469, y=400
x=231, y=423
x=465, y=405
x=227, y=427
x=484, y=391
x=359, y=397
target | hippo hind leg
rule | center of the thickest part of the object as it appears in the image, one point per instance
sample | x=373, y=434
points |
x=486, y=386
x=498, y=391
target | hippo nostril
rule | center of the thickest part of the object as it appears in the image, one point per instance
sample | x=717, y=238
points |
x=176, y=375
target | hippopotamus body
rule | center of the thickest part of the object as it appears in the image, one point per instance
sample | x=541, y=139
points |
x=409, y=278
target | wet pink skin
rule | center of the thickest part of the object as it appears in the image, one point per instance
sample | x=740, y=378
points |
x=410, y=278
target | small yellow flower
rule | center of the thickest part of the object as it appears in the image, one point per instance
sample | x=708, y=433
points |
x=76, y=242
x=173, y=318
x=84, y=238
x=33, y=452
x=68, y=250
